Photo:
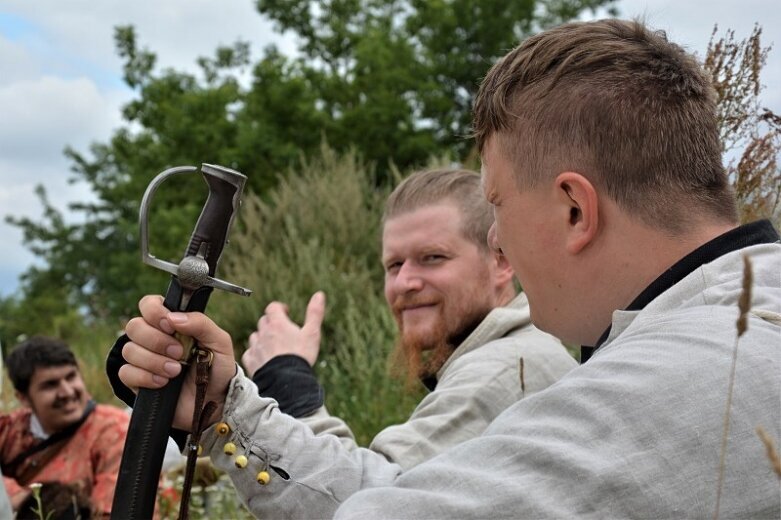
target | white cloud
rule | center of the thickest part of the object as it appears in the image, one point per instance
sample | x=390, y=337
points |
x=18, y=62
x=45, y=114
x=178, y=31
x=61, y=81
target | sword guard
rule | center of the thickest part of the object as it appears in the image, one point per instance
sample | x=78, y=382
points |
x=193, y=270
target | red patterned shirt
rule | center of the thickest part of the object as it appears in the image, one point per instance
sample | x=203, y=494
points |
x=90, y=458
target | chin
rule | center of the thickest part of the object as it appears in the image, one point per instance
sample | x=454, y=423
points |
x=419, y=328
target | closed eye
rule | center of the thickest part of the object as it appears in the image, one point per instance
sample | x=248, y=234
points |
x=434, y=258
x=393, y=266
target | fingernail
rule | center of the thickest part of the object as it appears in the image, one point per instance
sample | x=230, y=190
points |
x=178, y=317
x=159, y=380
x=174, y=351
x=171, y=368
x=166, y=327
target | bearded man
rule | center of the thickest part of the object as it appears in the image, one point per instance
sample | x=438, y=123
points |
x=462, y=329
x=60, y=435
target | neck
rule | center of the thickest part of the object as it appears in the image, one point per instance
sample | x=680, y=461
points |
x=632, y=258
x=506, y=295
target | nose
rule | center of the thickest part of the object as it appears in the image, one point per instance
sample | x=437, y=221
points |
x=408, y=279
x=493, y=242
x=65, y=390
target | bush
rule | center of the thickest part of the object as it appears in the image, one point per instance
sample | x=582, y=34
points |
x=319, y=230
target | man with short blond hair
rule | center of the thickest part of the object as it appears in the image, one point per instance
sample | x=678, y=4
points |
x=463, y=331
x=601, y=158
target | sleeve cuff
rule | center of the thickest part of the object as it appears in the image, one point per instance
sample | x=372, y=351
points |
x=114, y=362
x=291, y=382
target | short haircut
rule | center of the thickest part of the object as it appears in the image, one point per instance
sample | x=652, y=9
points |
x=619, y=104
x=38, y=351
x=445, y=185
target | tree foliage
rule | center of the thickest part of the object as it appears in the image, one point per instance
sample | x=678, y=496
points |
x=391, y=79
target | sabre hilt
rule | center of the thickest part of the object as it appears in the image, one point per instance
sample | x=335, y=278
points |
x=199, y=264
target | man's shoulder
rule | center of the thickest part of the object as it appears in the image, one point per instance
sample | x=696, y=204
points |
x=17, y=413
x=692, y=334
x=107, y=415
x=527, y=341
x=535, y=347
x=15, y=422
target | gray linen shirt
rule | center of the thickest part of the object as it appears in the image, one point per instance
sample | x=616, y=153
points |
x=634, y=433
x=503, y=360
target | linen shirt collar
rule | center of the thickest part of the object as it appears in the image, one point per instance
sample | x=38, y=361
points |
x=759, y=232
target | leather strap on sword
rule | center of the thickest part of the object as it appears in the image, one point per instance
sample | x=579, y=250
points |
x=192, y=282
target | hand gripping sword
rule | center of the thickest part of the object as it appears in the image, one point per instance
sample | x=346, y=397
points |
x=192, y=282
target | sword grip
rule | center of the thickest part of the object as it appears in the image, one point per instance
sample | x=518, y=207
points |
x=150, y=425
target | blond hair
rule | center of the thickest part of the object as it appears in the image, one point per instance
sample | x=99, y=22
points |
x=621, y=105
x=459, y=186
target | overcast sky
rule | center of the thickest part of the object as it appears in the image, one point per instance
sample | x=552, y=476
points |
x=61, y=82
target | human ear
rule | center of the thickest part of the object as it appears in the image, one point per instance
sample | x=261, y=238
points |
x=22, y=398
x=578, y=193
x=503, y=270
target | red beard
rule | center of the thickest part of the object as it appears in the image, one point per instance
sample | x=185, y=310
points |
x=420, y=356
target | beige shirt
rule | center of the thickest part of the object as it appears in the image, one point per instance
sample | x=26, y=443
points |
x=502, y=361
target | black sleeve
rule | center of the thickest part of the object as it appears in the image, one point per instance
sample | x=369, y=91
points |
x=290, y=380
x=114, y=362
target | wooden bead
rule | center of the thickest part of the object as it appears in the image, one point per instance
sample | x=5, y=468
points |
x=263, y=478
x=223, y=428
x=229, y=448
x=240, y=461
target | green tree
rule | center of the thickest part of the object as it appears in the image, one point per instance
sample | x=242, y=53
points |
x=401, y=75
x=390, y=79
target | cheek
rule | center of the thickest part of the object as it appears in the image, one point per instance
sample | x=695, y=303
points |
x=42, y=399
x=389, y=293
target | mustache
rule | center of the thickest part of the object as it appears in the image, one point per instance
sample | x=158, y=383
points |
x=62, y=402
x=405, y=301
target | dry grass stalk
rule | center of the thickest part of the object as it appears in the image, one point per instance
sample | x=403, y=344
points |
x=523, y=381
x=772, y=453
x=751, y=131
x=744, y=305
x=744, y=302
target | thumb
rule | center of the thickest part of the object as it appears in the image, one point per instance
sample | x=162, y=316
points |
x=203, y=329
x=315, y=311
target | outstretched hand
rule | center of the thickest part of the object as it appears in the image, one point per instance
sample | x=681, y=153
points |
x=153, y=355
x=278, y=335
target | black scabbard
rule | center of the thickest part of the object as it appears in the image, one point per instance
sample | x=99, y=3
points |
x=150, y=425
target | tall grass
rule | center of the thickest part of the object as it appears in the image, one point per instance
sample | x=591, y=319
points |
x=320, y=230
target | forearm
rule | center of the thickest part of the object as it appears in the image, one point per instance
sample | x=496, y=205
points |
x=310, y=474
x=292, y=383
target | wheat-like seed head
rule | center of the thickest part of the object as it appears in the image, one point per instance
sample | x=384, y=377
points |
x=772, y=453
x=744, y=303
